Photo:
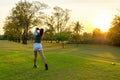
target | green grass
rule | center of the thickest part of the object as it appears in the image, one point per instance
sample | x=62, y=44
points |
x=85, y=62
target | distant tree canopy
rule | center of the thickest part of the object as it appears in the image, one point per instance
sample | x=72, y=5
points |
x=87, y=38
x=22, y=17
x=57, y=23
x=99, y=36
x=114, y=31
x=26, y=15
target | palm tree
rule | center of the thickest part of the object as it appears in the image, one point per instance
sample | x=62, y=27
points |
x=78, y=28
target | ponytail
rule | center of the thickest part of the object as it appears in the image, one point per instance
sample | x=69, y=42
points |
x=41, y=32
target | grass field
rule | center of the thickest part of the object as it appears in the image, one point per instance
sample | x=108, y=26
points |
x=85, y=62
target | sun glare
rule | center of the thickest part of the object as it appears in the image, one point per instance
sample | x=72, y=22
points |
x=102, y=22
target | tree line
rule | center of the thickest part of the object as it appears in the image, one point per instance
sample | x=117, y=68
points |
x=25, y=15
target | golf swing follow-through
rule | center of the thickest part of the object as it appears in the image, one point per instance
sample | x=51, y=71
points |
x=38, y=35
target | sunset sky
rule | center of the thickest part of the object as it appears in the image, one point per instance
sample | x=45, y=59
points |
x=90, y=13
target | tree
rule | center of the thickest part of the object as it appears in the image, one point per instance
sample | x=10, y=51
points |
x=30, y=35
x=51, y=28
x=77, y=27
x=24, y=16
x=3, y=37
x=87, y=38
x=98, y=36
x=62, y=37
x=114, y=31
x=27, y=12
x=76, y=31
x=57, y=23
x=11, y=30
x=61, y=17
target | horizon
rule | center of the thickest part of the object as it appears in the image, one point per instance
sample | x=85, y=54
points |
x=91, y=14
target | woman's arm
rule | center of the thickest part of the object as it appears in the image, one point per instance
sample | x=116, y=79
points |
x=41, y=32
x=35, y=32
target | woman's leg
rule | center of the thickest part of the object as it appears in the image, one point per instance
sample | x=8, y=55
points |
x=44, y=59
x=35, y=58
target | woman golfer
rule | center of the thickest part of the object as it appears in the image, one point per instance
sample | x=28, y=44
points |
x=38, y=34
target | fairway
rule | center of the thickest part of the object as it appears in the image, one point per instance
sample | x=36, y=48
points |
x=85, y=62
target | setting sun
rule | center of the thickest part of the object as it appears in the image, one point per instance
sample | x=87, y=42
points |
x=102, y=22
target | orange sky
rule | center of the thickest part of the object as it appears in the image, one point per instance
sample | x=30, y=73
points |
x=91, y=13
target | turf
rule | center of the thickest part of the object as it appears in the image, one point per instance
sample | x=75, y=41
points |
x=85, y=62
